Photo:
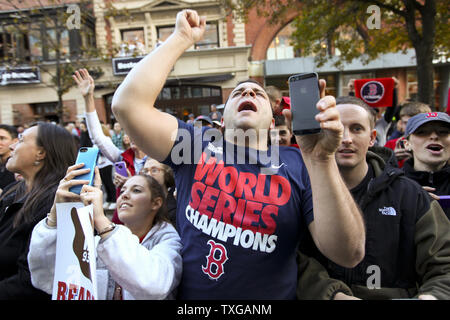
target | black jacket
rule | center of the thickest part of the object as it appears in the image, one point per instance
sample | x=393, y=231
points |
x=6, y=177
x=407, y=238
x=440, y=180
x=15, y=279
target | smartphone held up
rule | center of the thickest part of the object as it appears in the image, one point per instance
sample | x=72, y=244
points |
x=304, y=94
x=89, y=157
x=121, y=168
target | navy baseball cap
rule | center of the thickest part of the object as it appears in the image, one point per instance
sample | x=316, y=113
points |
x=422, y=118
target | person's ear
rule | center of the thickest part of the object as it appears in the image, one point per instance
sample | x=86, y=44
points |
x=373, y=137
x=157, y=203
x=41, y=154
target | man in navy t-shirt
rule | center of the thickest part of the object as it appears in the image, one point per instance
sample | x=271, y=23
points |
x=242, y=206
x=241, y=219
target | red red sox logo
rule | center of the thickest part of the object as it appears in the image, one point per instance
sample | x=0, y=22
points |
x=215, y=260
x=372, y=89
x=432, y=115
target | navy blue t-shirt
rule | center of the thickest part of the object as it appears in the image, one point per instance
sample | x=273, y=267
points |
x=241, y=214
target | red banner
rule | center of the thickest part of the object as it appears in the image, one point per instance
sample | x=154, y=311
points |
x=376, y=92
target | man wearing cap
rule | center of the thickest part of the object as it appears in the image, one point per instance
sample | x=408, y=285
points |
x=204, y=120
x=428, y=137
x=407, y=233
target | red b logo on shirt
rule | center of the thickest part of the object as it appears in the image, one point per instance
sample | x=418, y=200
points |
x=215, y=260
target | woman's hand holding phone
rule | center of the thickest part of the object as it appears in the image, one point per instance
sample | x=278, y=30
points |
x=94, y=195
x=62, y=193
x=119, y=180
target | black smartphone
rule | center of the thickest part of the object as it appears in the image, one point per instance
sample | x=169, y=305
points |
x=89, y=157
x=304, y=94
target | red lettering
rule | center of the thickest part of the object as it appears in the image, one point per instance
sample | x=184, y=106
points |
x=81, y=294
x=250, y=217
x=209, y=169
x=239, y=214
x=207, y=201
x=226, y=204
x=73, y=288
x=61, y=293
x=242, y=198
x=195, y=196
x=233, y=173
x=246, y=182
x=268, y=217
x=259, y=190
x=277, y=182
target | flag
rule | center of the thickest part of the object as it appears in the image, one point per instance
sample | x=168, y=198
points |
x=378, y=92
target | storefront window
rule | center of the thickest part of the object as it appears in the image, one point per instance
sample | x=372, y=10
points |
x=281, y=47
x=133, y=42
x=164, y=32
x=210, y=38
x=52, y=44
x=35, y=44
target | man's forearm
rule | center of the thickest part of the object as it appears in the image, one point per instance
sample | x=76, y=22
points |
x=339, y=230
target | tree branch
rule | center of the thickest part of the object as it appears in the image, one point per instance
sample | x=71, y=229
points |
x=411, y=22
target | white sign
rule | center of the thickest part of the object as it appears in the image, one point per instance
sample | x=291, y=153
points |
x=75, y=268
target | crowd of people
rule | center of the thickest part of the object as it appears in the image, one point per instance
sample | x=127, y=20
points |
x=354, y=212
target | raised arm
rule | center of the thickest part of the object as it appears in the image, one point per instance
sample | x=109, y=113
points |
x=86, y=87
x=133, y=102
x=338, y=228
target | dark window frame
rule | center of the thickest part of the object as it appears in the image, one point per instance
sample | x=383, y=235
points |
x=22, y=52
x=215, y=44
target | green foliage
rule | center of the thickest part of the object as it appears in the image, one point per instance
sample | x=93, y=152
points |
x=340, y=26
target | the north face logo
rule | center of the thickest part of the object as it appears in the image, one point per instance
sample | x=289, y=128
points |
x=388, y=211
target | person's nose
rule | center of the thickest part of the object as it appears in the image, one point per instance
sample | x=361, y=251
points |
x=12, y=146
x=434, y=135
x=346, y=138
x=125, y=195
x=248, y=91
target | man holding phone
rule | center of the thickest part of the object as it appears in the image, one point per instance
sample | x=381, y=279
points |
x=408, y=236
x=240, y=228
